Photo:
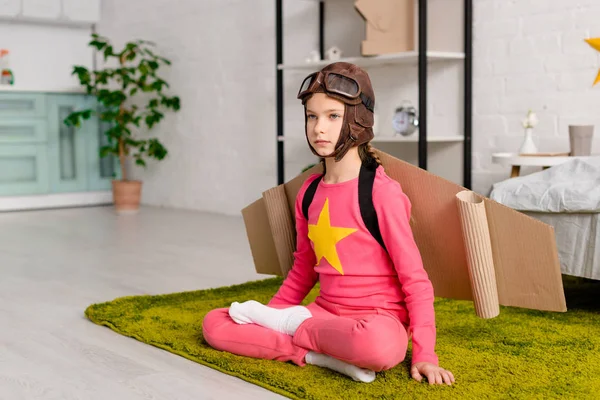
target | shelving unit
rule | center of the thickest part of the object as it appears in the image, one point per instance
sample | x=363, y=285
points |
x=393, y=139
x=422, y=58
x=415, y=139
x=409, y=57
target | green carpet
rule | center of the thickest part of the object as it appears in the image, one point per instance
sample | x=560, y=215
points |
x=519, y=354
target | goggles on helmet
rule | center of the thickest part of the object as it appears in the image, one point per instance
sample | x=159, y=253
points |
x=334, y=82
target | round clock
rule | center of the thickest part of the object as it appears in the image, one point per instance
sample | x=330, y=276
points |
x=405, y=120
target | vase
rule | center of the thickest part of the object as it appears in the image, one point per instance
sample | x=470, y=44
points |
x=528, y=146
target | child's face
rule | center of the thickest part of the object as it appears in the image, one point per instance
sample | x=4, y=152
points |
x=324, y=117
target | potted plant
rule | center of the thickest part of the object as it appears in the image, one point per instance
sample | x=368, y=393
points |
x=131, y=97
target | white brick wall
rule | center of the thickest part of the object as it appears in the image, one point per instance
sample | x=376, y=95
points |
x=527, y=54
x=222, y=142
x=531, y=54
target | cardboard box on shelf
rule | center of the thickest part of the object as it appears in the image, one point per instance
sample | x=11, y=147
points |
x=472, y=247
x=389, y=26
x=392, y=26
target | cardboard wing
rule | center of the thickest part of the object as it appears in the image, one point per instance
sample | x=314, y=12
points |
x=472, y=247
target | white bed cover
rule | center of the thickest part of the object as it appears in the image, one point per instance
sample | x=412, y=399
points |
x=573, y=186
x=567, y=197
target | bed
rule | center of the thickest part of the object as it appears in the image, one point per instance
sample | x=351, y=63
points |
x=566, y=196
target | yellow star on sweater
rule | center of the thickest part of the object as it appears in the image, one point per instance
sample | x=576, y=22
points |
x=324, y=236
x=595, y=43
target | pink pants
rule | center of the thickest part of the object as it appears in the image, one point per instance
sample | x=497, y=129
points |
x=373, y=339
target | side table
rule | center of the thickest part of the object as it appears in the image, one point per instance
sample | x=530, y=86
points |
x=544, y=160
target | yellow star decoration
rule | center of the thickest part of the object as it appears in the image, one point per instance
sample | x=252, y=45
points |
x=595, y=43
x=325, y=237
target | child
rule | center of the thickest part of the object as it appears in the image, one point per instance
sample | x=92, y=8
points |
x=374, y=295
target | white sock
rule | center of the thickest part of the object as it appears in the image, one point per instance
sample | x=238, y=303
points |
x=286, y=320
x=354, y=372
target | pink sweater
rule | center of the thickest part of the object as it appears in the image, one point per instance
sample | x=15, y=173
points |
x=352, y=267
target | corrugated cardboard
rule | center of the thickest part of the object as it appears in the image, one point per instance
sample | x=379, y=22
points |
x=261, y=239
x=392, y=26
x=480, y=259
x=472, y=247
x=281, y=224
x=389, y=26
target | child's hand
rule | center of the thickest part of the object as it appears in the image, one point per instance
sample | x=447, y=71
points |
x=434, y=374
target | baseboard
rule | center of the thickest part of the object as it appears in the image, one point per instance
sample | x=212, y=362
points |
x=17, y=203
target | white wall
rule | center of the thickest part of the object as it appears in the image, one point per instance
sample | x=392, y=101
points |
x=223, y=142
x=527, y=54
x=42, y=56
x=531, y=54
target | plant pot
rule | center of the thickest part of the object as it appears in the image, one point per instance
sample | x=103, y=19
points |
x=126, y=196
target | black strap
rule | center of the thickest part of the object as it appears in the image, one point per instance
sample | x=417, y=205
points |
x=366, y=178
x=309, y=194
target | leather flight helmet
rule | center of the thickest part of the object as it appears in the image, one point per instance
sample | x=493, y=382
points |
x=351, y=85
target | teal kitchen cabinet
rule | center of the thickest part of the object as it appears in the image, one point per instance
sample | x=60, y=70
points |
x=67, y=144
x=23, y=169
x=101, y=171
x=22, y=130
x=23, y=156
x=22, y=105
x=39, y=154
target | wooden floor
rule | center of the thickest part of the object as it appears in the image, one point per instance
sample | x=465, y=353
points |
x=54, y=263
